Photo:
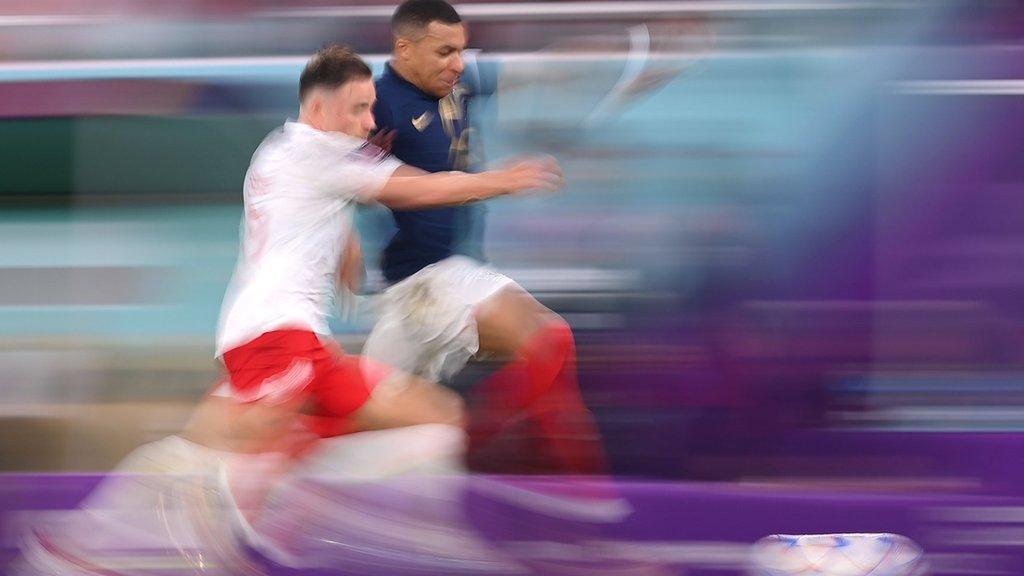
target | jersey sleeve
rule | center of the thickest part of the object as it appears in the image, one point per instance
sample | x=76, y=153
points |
x=365, y=170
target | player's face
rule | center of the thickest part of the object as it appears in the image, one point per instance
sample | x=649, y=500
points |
x=349, y=108
x=435, y=59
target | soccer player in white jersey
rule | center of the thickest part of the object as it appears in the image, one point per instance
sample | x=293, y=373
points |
x=300, y=193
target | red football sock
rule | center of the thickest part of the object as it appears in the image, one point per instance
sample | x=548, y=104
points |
x=537, y=391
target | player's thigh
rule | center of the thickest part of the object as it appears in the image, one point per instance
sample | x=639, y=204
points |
x=390, y=343
x=372, y=396
x=506, y=320
x=223, y=424
x=402, y=399
x=427, y=326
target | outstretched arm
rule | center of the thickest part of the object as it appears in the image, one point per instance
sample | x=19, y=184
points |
x=410, y=187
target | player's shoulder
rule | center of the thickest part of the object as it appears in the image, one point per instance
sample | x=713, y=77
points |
x=271, y=145
x=384, y=85
x=390, y=87
x=296, y=145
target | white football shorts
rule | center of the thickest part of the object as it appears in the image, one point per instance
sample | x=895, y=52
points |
x=426, y=325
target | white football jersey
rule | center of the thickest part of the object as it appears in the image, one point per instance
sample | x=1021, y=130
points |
x=299, y=195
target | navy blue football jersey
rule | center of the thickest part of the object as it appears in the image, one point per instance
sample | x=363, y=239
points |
x=433, y=135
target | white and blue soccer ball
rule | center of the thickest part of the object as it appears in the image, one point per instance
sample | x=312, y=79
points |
x=838, y=555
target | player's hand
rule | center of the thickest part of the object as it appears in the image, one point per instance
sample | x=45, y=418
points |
x=352, y=270
x=384, y=139
x=536, y=173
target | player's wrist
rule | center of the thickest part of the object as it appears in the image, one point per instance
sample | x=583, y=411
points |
x=492, y=184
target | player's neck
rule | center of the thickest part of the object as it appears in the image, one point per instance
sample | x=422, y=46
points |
x=405, y=73
x=307, y=119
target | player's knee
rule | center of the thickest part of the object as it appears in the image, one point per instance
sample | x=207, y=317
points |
x=555, y=339
x=552, y=349
x=560, y=335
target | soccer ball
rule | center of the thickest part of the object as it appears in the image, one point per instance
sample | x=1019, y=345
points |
x=838, y=555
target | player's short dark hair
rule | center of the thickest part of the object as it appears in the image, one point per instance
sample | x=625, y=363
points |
x=331, y=67
x=418, y=14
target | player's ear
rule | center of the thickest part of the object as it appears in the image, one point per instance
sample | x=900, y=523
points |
x=402, y=46
x=315, y=104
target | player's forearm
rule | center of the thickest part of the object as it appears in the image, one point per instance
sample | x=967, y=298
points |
x=439, y=189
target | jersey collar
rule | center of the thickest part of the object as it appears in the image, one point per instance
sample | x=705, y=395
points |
x=390, y=72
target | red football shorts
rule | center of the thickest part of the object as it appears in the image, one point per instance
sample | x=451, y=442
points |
x=296, y=366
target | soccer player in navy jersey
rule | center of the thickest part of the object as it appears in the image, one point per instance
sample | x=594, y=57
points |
x=444, y=303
